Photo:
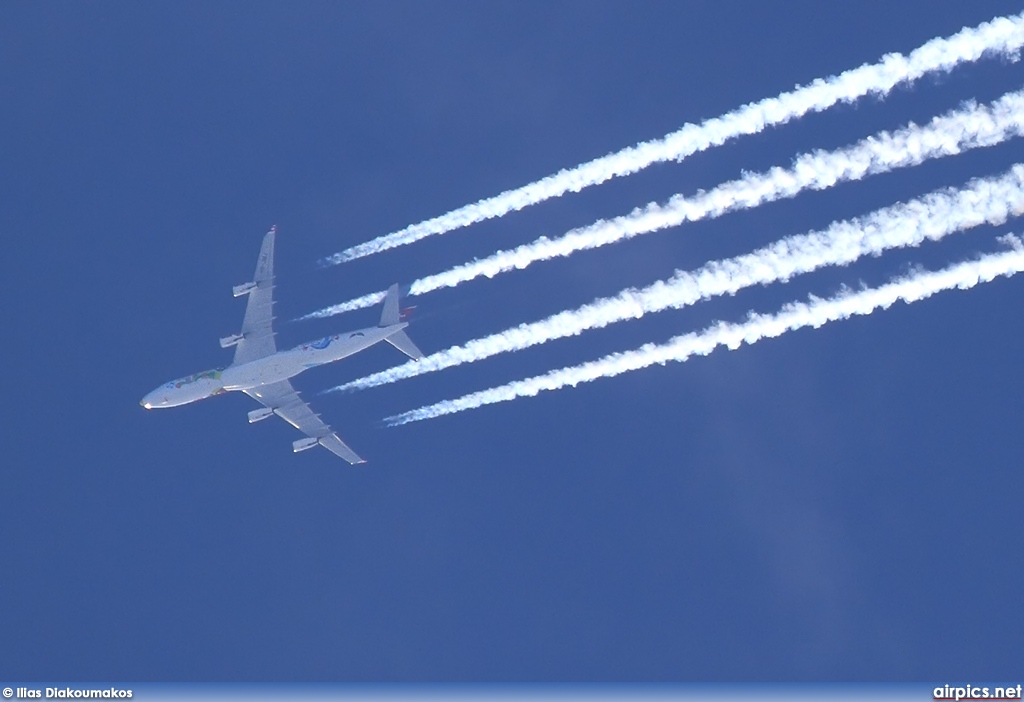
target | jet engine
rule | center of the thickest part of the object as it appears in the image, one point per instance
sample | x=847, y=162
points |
x=303, y=444
x=243, y=289
x=227, y=341
x=258, y=414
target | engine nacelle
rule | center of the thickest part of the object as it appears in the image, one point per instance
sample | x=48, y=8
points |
x=231, y=340
x=259, y=414
x=243, y=289
x=303, y=444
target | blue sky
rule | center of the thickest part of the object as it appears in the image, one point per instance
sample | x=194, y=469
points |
x=841, y=503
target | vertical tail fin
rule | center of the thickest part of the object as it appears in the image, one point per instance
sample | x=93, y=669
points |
x=391, y=315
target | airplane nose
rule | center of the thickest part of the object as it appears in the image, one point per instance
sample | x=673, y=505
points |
x=145, y=404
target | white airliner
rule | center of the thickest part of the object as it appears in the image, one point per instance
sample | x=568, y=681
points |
x=262, y=372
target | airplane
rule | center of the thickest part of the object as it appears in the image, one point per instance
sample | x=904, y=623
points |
x=262, y=372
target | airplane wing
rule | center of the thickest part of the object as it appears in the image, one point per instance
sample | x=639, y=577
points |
x=285, y=402
x=257, y=327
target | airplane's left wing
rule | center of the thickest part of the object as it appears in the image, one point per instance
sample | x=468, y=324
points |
x=257, y=328
x=283, y=400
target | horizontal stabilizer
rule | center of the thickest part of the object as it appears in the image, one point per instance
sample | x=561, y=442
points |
x=401, y=341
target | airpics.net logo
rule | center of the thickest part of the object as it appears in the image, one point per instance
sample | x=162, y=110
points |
x=976, y=692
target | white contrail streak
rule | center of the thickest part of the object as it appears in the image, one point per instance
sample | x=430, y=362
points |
x=932, y=217
x=1002, y=36
x=970, y=127
x=793, y=316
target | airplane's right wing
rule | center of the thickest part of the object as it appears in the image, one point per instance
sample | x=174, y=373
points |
x=284, y=401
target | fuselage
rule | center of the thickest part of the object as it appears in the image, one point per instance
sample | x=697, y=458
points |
x=279, y=366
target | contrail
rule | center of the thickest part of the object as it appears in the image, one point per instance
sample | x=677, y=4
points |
x=793, y=316
x=970, y=127
x=1002, y=36
x=932, y=217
